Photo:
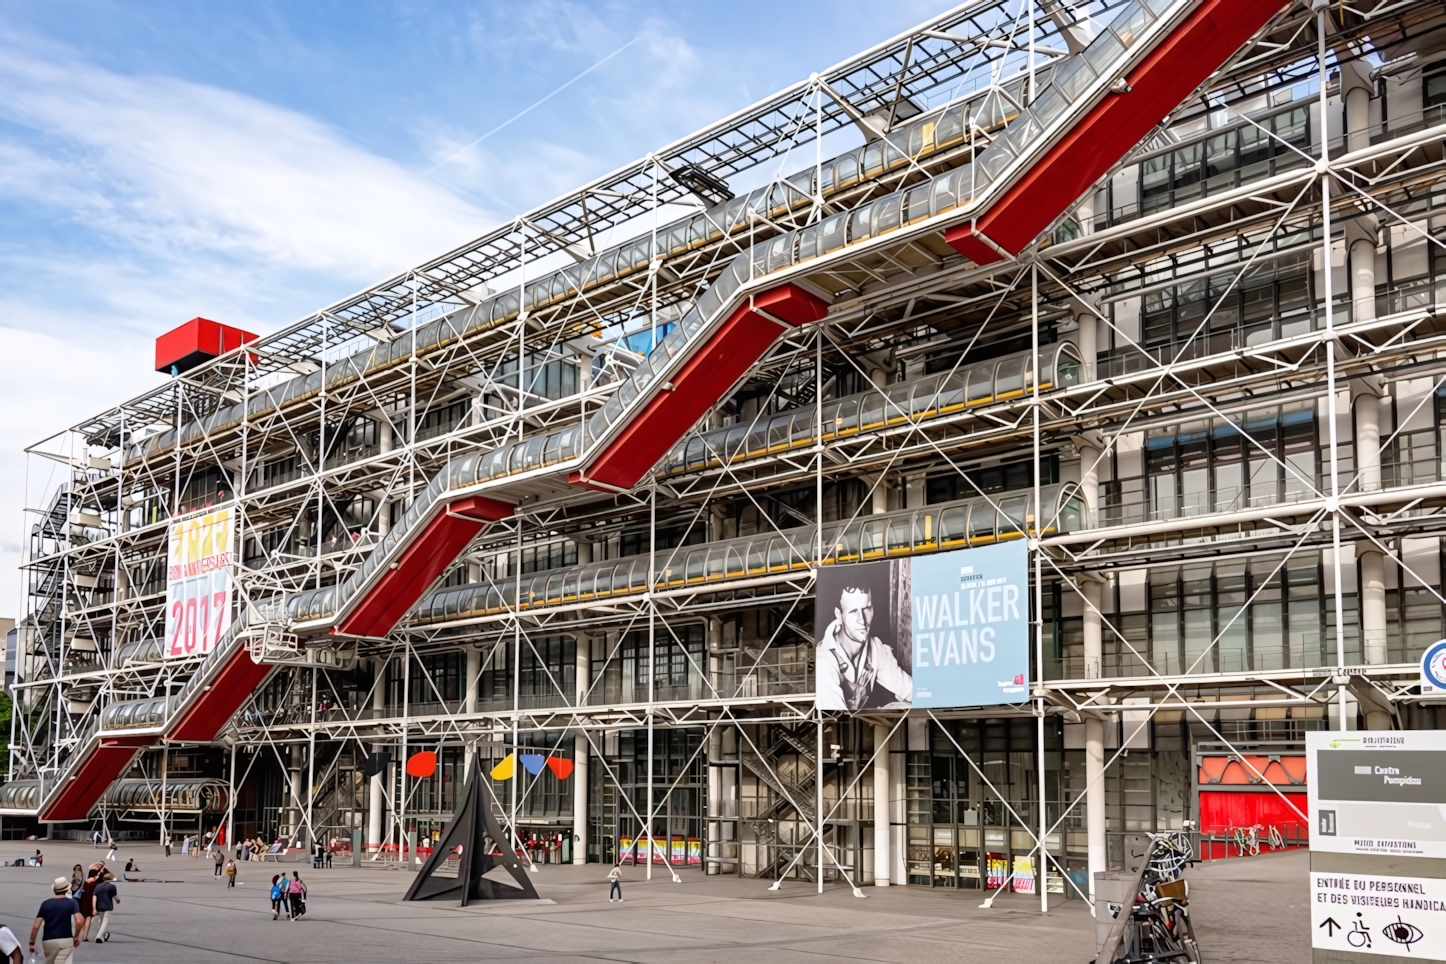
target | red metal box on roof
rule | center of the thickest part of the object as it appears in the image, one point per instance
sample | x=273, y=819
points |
x=198, y=340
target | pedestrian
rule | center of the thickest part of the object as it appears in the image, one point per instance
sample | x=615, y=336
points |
x=168, y=845
x=230, y=873
x=61, y=920
x=615, y=892
x=95, y=840
x=278, y=895
x=220, y=860
x=86, y=899
x=296, y=890
x=39, y=858
x=106, y=901
x=77, y=880
x=10, y=946
x=111, y=856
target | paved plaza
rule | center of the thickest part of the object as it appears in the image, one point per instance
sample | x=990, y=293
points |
x=1246, y=911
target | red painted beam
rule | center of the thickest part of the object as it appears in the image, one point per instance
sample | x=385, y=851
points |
x=703, y=380
x=1181, y=62
x=427, y=556
x=102, y=765
x=233, y=685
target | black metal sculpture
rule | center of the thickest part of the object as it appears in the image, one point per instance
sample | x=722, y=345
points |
x=476, y=834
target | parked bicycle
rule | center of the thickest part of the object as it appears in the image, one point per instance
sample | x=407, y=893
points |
x=1159, y=927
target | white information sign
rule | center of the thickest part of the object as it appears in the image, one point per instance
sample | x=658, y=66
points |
x=198, y=582
x=1378, y=792
x=1368, y=914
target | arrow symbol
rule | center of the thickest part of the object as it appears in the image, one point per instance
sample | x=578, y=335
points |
x=1330, y=924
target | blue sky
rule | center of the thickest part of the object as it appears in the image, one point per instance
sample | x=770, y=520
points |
x=251, y=162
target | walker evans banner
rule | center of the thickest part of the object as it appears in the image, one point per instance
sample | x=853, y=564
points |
x=930, y=632
x=198, y=582
x=1377, y=792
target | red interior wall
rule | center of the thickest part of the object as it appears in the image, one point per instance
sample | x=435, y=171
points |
x=1224, y=810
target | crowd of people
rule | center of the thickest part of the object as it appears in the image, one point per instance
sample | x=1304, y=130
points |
x=81, y=905
x=79, y=909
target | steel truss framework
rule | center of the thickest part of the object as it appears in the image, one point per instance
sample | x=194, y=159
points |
x=319, y=481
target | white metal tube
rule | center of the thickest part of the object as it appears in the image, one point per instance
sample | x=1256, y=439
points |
x=1333, y=505
x=881, y=805
x=1095, y=839
x=580, y=785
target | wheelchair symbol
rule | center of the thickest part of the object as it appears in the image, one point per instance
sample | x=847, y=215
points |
x=1360, y=934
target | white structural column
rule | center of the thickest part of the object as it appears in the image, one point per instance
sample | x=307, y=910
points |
x=375, y=792
x=384, y=444
x=880, y=498
x=1372, y=570
x=1361, y=232
x=580, y=755
x=1091, y=589
x=1373, y=602
x=1089, y=448
x=1088, y=340
x=713, y=831
x=1094, y=739
x=1362, y=238
x=881, y=805
x=1355, y=76
x=1366, y=409
x=294, y=805
x=469, y=699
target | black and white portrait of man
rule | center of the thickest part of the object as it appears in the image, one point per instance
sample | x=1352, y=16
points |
x=863, y=638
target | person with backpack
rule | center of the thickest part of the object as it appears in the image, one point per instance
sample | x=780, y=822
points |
x=296, y=890
x=230, y=873
x=278, y=896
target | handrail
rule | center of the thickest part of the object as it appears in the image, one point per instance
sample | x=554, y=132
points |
x=1069, y=91
x=79, y=751
x=217, y=657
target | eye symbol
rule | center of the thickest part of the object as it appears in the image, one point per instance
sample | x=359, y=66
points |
x=1402, y=933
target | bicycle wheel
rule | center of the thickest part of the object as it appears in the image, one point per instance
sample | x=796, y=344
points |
x=1185, y=931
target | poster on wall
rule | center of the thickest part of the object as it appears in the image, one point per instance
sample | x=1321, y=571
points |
x=199, y=563
x=935, y=631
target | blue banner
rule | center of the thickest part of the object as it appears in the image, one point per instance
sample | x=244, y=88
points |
x=970, y=626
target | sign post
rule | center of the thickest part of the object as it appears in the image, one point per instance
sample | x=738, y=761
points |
x=1378, y=833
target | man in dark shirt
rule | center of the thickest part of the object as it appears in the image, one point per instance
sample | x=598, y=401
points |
x=105, y=902
x=60, y=916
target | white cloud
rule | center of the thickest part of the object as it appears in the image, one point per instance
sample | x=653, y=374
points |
x=177, y=168
x=136, y=202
